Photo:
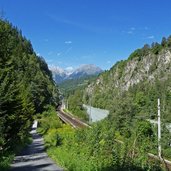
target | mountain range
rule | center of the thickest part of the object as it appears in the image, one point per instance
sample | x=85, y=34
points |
x=61, y=75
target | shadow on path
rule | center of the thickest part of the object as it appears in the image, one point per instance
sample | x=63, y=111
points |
x=34, y=157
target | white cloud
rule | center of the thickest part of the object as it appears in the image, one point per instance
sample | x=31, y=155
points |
x=150, y=37
x=108, y=62
x=68, y=42
x=129, y=31
x=38, y=54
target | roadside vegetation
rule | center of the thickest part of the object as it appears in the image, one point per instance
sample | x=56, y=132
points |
x=99, y=147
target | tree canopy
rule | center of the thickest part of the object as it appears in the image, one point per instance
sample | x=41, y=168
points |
x=26, y=86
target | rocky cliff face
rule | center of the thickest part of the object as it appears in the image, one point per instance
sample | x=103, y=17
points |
x=131, y=72
x=150, y=67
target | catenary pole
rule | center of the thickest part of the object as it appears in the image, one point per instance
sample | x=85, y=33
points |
x=159, y=130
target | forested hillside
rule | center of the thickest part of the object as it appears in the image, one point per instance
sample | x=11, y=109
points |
x=68, y=87
x=26, y=86
x=133, y=85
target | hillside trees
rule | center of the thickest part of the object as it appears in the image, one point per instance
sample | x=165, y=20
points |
x=130, y=100
x=75, y=102
x=150, y=66
x=26, y=86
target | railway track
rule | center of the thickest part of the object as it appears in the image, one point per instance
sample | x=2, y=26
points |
x=70, y=119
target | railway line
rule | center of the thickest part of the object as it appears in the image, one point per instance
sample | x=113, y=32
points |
x=70, y=119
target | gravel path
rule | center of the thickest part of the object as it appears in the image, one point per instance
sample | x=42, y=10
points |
x=34, y=157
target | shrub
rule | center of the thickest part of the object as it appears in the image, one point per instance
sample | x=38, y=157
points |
x=52, y=138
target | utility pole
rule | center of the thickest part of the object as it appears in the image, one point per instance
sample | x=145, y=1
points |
x=159, y=130
x=90, y=112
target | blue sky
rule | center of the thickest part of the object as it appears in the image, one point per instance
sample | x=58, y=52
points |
x=68, y=33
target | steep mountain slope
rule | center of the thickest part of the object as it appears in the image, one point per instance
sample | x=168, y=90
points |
x=61, y=75
x=139, y=80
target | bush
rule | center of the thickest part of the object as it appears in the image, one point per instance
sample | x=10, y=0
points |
x=52, y=138
x=48, y=120
x=5, y=160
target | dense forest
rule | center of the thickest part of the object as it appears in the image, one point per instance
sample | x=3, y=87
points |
x=26, y=87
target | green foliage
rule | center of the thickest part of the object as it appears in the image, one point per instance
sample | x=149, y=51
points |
x=48, y=120
x=139, y=102
x=52, y=128
x=135, y=54
x=144, y=129
x=156, y=48
x=69, y=86
x=5, y=160
x=75, y=103
x=164, y=42
x=72, y=90
x=120, y=68
x=97, y=149
x=52, y=138
x=169, y=42
x=7, y=157
x=26, y=86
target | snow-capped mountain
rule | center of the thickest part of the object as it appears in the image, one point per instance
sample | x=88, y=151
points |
x=85, y=70
x=60, y=74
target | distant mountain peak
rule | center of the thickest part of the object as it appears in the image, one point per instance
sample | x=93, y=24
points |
x=60, y=74
x=69, y=70
x=85, y=70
